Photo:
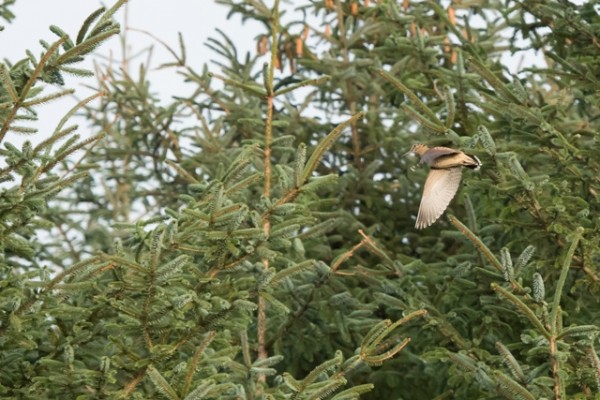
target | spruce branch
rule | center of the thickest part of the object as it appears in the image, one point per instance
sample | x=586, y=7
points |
x=511, y=387
x=87, y=22
x=304, y=83
x=8, y=84
x=556, y=319
x=595, y=362
x=493, y=80
x=511, y=362
x=35, y=74
x=268, y=77
x=45, y=99
x=561, y=281
x=248, y=88
x=525, y=310
x=430, y=116
x=161, y=383
x=483, y=249
x=193, y=364
x=325, y=144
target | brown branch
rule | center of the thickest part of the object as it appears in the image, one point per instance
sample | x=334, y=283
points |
x=261, y=312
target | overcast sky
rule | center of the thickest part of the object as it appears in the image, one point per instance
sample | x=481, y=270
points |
x=195, y=19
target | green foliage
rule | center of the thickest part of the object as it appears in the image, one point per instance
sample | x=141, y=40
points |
x=254, y=239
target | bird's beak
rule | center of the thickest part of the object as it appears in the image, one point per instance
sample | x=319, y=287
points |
x=408, y=153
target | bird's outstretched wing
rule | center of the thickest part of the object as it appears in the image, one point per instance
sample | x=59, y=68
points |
x=440, y=187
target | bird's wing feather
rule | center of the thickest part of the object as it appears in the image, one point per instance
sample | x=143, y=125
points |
x=434, y=153
x=440, y=187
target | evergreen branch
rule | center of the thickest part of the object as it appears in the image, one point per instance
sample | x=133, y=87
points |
x=299, y=165
x=371, y=342
x=54, y=188
x=486, y=140
x=464, y=360
x=203, y=389
x=339, y=260
x=245, y=345
x=539, y=290
x=25, y=306
x=268, y=82
x=78, y=72
x=439, y=126
x=151, y=282
x=323, y=368
x=60, y=33
x=76, y=108
x=161, y=383
x=561, y=281
x=106, y=17
x=375, y=250
x=8, y=84
x=507, y=266
x=524, y=257
x=291, y=382
x=193, y=365
x=61, y=156
x=50, y=97
x=511, y=362
x=472, y=221
x=239, y=233
x=380, y=358
x=443, y=15
x=476, y=242
x=86, y=47
x=374, y=334
x=487, y=253
x=28, y=85
x=239, y=166
x=268, y=362
x=165, y=271
x=182, y=172
x=132, y=384
x=289, y=271
x=523, y=307
x=307, y=82
x=325, y=144
x=354, y=392
x=74, y=269
x=513, y=387
x=450, y=107
x=251, y=89
x=24, y=130
x=121, y=261
x=595, y=362
x=326, y=388
x=268, y=297
x=411, y=112
x=320, y=228
x=86, y=24
x=494, y=81
x=587, y=330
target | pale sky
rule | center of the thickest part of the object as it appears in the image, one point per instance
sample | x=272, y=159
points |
x=195, y=19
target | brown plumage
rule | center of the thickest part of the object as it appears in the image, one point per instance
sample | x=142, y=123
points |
x=445, y=167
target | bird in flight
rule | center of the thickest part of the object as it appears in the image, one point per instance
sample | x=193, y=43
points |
x=445, y=168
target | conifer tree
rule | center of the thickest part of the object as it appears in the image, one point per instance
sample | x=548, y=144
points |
x=256, y=240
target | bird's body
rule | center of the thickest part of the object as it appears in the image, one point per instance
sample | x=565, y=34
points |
x=445, y=168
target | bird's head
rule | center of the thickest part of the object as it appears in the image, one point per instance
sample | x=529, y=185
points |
x=419, y=149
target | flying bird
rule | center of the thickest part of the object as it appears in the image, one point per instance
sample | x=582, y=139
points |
x=445, y=167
